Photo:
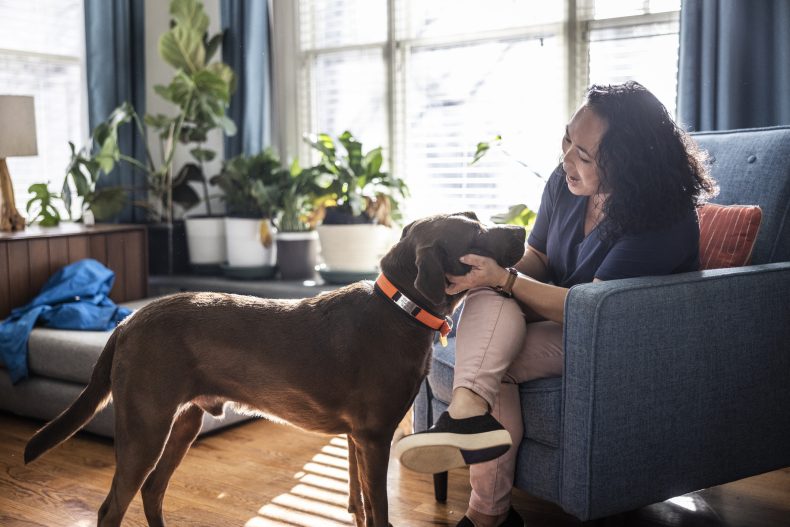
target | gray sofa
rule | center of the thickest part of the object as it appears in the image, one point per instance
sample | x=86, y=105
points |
x=60, y=363
x=671, y=384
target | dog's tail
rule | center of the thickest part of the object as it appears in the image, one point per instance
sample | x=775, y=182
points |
x=93, y=399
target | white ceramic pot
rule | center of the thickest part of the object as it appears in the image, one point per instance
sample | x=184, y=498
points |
x=355, y=248
x=206, y=240
x=245, y=245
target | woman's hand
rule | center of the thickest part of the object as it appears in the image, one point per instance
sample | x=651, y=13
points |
x=485, y=272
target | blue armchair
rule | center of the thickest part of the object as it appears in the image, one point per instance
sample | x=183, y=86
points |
x=671, y=384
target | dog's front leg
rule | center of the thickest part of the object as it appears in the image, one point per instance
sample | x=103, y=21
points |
x=373, y=464
x=355, y=505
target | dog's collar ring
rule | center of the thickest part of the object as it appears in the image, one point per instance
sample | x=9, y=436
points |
x=442, y=325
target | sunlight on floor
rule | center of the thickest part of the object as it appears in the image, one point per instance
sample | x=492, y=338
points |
x=685, y=502
x=319, y=498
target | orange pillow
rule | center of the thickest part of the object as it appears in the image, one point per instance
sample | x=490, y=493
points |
x=727, y=234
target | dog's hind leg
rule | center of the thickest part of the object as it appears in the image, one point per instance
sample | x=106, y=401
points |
x=140, y=438
x=185, y=429
x=373, y=462
x=355, y=505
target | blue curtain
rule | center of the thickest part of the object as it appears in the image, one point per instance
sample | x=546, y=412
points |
x=734, y=64
x=115, y=56
x=245, y=48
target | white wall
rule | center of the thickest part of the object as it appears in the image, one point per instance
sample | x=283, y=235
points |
x=157, y=21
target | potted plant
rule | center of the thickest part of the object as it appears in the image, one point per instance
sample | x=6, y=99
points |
x=301, y=197
x=252, y=193
x=362, y=205
x=200, y=91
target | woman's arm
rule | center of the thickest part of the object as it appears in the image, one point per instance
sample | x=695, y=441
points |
x=546, y=300
x=534, y=263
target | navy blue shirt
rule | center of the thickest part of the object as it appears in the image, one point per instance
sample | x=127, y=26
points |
x=574, y=258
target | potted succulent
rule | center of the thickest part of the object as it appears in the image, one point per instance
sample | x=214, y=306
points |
x=362, y=205
x=301, y=196
x=252, y=187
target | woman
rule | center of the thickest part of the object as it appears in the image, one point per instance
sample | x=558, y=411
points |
x=622, y=204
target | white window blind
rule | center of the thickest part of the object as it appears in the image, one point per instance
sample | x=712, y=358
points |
x=429, y=80
x=41, y=54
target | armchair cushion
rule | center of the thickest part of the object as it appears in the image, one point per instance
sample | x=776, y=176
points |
x=727, y=234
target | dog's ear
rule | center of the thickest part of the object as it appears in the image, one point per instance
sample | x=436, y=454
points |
x=430, y=274
x=406, y=230
x=469, y=214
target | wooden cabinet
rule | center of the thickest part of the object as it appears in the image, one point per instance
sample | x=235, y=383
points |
x=30, y=257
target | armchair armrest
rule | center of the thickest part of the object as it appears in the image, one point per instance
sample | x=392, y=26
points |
x=673, y=384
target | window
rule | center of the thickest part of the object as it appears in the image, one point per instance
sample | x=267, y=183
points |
x=41, y=54
x=429, y=80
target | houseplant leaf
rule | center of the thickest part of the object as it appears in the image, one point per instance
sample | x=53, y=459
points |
x=106, y=203
x=182, y=48
x=189, y=13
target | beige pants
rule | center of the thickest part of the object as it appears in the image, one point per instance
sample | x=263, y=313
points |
x=495, y=350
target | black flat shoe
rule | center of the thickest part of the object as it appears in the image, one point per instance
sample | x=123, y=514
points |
x=453, y=443
x=513, y=520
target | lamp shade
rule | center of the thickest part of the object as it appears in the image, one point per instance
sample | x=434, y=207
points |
x=17, y=126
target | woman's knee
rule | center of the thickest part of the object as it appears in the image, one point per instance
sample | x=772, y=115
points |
x=483, y=303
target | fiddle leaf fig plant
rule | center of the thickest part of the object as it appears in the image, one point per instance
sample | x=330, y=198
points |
x=200, y=91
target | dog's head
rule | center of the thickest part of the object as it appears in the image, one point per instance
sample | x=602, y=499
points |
x=431, y=247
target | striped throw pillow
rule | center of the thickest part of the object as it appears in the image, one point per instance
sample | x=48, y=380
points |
x=727, y=234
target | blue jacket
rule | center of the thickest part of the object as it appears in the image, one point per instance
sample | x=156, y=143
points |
x=73, y=298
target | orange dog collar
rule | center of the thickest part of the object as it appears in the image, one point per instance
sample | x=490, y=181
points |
x=442, y=325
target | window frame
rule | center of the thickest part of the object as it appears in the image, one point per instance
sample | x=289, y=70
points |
x=298, y=114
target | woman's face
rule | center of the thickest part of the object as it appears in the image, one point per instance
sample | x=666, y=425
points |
x=580, y=149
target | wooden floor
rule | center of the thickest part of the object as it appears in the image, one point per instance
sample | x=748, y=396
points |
x=264, y=474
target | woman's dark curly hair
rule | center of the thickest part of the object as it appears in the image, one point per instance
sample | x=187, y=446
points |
x=652, y=172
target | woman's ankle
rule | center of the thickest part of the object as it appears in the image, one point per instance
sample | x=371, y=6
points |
x=480, y=519
x=466, y=403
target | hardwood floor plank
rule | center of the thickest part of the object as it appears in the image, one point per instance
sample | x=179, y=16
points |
x=264, y=474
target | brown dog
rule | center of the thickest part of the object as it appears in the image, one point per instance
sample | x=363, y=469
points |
x=346, y=362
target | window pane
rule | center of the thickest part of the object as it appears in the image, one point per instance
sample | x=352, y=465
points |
x=331, y=23
x=645, y=53
x=459, y=96
x=621, y=8
x=42, y=26
x=56, y=90
x=349, y=93
x=41, y=49
x=420, y=18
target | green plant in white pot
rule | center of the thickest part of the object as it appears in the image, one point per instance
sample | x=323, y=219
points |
x=301, y=197
x=252, y=187
x=363, y=203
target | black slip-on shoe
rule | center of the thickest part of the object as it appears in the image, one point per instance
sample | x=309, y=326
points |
x=453, y=443
x=513, y=520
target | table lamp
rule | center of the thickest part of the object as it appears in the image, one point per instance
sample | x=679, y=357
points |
x=17, y=138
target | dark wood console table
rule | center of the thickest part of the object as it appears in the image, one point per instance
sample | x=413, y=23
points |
x=28, y=258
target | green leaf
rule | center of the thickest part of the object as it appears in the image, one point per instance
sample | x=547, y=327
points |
x=209, y=83
x=203, y=154
x=189, y=172
x=185, y=195
x=353, y=151
x=484, y=147
x=182, y=48
x=323, y=143
x=212, y=45
x=107, y=202
x=373, y=161
x=189, y=13
x=228, y=126
x=516, y=215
